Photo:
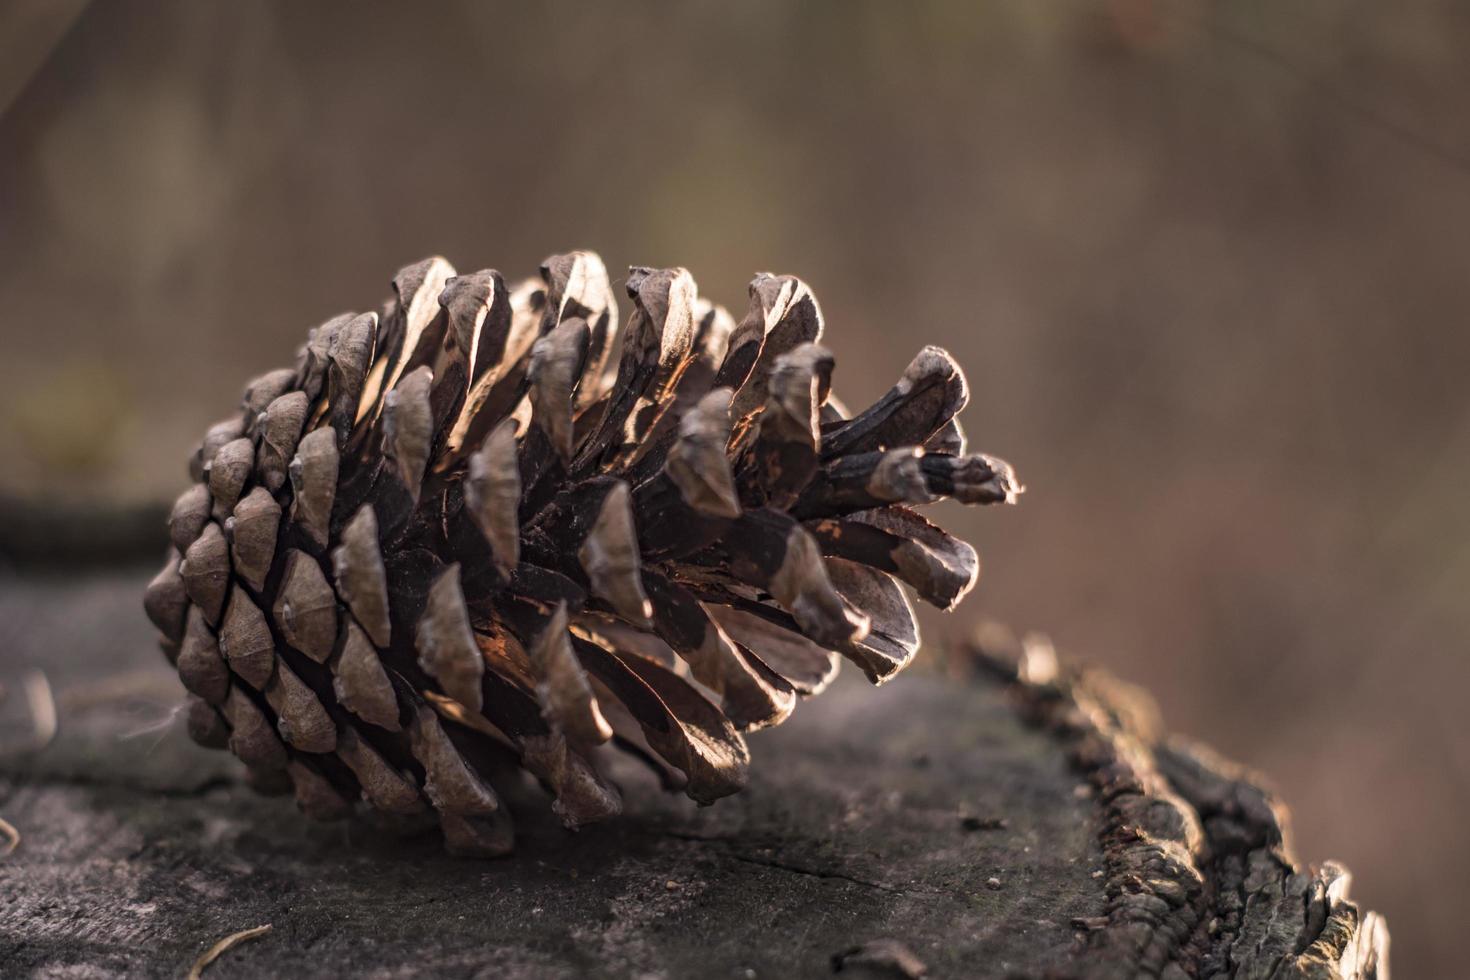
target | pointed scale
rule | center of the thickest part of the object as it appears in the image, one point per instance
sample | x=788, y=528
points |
x=892, y=638
x=228, y=472
x=782, y=315
x=446, y=647
x=783, y=456
x=939, y=567
x=280, y=431
x=680, y=724
x=577, y=285
x=252, y=737
x=300, y=717
x=362, y=582
x=609, y=556
x=655, y=351
x=691, y=503
x=360, y=682
x=200, y=666
x=712, y=331
x=478, y=308
x=450, y=782
x=492, y=491
x=313, y=473
x=500, y=388
x=557, y=361
x=582, y=795
x=245, y=641
x=314, y=356
x=385, y=788
x=305, y=612
x=348, y=361
x=261, y=391
x=189, y=515
x=252, y=530
x=809, y=668
x=772, y=552
x=417, y=289
x=206, y=572
x=930, y=394
x=408, y=428
x=567, y=701
x=697, y=463
x=204, y=724
x=750, y=697
x=217, y=436
x=906, y=476
x=166, y=601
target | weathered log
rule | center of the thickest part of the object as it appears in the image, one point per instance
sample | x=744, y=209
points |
x=997, y=816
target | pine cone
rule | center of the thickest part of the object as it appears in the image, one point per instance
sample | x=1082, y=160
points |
x=464, y=534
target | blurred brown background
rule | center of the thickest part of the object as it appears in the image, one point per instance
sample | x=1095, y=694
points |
x=1205, y=264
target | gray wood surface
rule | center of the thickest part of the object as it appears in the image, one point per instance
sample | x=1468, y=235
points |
x=980, y=826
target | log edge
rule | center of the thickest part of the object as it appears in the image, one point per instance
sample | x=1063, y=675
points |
x=1201, y=880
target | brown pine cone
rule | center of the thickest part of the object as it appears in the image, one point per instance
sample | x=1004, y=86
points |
x=469, y=531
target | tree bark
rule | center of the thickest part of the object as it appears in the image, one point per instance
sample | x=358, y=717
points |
x=993, y=816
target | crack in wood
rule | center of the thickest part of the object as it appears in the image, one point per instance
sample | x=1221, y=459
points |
x=731, y=848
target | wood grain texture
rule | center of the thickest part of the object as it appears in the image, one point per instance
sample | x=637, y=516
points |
x=1013, y=823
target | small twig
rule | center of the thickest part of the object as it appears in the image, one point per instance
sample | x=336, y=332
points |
x=224, y=946
x=12, y=837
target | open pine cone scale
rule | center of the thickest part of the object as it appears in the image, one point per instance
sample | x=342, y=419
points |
x=488, y=527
